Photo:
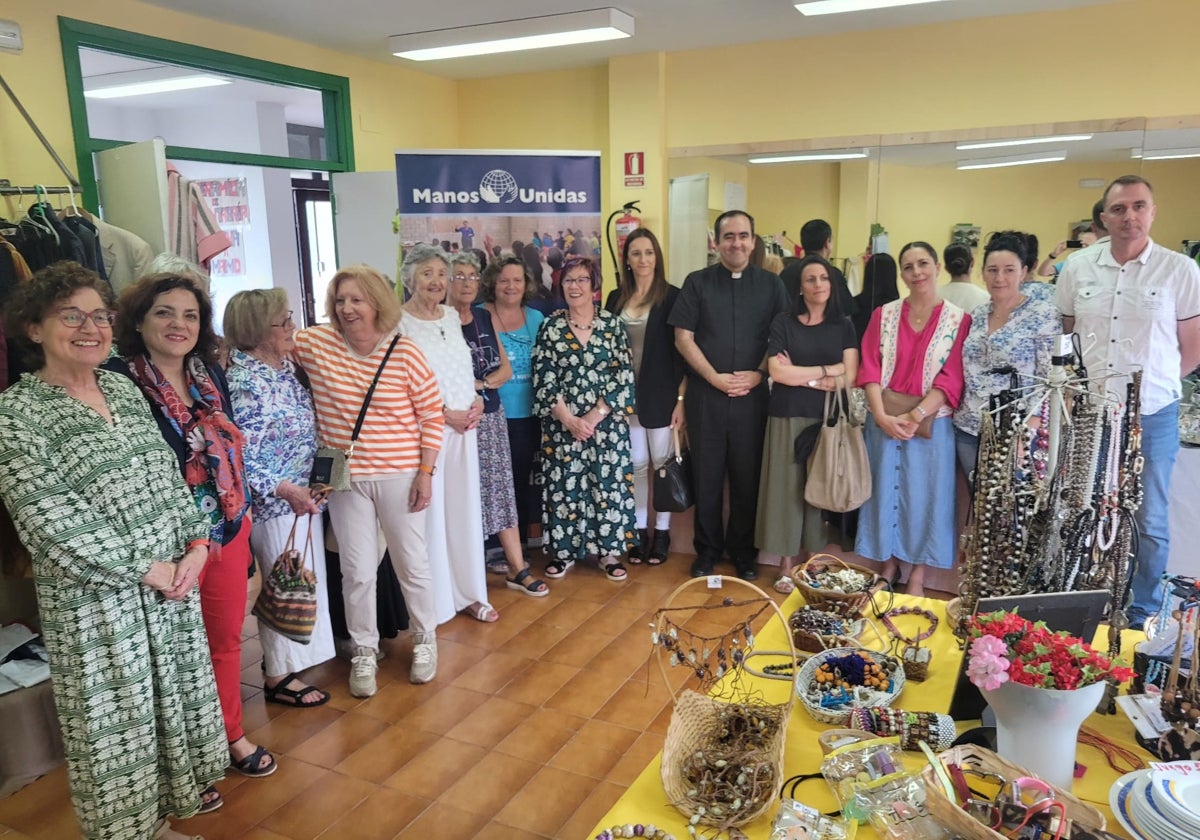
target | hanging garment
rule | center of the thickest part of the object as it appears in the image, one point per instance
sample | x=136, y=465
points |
x=192, y=229
x=86, y=232
x=69, y=246
x=126, y=256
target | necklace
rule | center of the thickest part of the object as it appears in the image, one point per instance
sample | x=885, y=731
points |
x=575, y=325
x=635, y=830
x=887, y=617
x=503, y=326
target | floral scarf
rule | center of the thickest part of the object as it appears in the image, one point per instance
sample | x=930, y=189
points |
x=937, y=351
x=213, y=468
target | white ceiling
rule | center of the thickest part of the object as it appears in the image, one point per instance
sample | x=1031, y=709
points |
x=361, y=27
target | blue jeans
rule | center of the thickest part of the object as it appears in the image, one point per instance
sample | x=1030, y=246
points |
x=1160, y=444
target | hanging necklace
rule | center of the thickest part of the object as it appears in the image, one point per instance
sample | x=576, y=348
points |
x=575, y=325
x=503, y=326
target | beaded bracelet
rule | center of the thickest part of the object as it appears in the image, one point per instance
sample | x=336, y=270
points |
x=634, y=830
x=886, y=618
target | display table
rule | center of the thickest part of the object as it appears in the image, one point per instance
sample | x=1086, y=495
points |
x=645, y=802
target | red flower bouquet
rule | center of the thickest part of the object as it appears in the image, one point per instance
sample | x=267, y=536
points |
x=1005, y=646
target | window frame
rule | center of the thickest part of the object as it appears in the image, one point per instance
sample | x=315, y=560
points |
x=335, y=95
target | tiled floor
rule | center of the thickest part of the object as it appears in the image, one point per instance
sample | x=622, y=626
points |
x=533, y=728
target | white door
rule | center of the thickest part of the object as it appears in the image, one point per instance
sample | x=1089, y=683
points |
x=364, y=205
x=132, y=182
x=688, y=212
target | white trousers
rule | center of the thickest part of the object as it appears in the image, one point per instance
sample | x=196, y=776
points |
x=357, y=515
x=280, y=654
x=453, y=526
x=649, y=447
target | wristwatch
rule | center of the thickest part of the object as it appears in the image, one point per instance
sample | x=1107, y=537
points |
x=427, y=469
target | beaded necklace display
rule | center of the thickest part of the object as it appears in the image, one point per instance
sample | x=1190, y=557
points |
x=887, y=617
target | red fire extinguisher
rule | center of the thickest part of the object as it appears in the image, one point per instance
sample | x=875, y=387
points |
x=626, y=225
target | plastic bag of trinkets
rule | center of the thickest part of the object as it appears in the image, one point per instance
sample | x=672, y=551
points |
x=797, y=821
x=848, y=767
x=895, y=807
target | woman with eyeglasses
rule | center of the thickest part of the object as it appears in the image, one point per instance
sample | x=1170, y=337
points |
x=507, y=290
x=275, y=413
x=168, y=348
x=455, y=518
x=492, y=369
x=583, y=391
x=117, y=541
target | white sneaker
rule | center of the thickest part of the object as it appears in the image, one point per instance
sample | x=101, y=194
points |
x=362, y=673
x=345, y=649
x=424, y=666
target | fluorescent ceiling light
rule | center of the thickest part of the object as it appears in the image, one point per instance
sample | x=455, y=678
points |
x=1014, y=160
x=1027, y=141
x=1169, y=154
x=514, y=35
x=849, y=154
x=836, y=7
x=155, y=86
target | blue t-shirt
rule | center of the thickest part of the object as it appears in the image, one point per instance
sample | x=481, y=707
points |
x=516, y=395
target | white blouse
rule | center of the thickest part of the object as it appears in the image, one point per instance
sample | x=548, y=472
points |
x=448, y=355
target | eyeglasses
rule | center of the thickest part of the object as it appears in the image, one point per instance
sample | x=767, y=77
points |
x=577, y=281
x=465, y=278
x=287, y=321
x=73, y=316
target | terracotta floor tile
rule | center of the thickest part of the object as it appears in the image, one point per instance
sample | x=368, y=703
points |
x=286, y=731
x=540, y=736
x=387, y=753
x=430, y=772
x=340, y=739
x=494, y=671
x=455, y=659
x=489, y=723
x=252, y=656
x=490, y=784
x=584, y=694
x=548, y=801
x=218, y=826
x=445, y=710
x=591, y=810
x=536, y=639
x=635, y=759
x=537, y=682
x=569, y=613
x=397, y=698
x=256, y=799
x=42, y=808
x=478, y=634
x=595, y=749
x=441, y=820
x=594, y=587
x=577, y=647
x=620, y=659
x=316, y=807
x=381, y=816
x=260, y=833
x=499, y=831
x=635, y=703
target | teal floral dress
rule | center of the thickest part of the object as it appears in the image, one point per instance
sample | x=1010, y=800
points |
x=587, y=486
x=97, y=504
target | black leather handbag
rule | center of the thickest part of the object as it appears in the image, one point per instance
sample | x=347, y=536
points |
x=673, y=480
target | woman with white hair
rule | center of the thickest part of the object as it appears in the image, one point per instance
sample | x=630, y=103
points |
x=455, y=518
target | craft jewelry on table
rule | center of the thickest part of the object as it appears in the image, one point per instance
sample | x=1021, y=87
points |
x=913, y=657
x=648, y=830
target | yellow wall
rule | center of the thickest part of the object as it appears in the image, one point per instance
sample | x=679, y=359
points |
x=393, y=106
x=784, y=196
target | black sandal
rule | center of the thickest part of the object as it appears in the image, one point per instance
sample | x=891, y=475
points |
x=615, y=571
x=637, y=552
x=660, y=548
x=210, y=800
x=558, y=568
x=280, y=690
x=525, y=583
x=250, y=765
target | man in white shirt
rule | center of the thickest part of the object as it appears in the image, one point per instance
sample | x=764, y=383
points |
x=1136, y=304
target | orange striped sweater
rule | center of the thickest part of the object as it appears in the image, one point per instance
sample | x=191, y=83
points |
x=405, y=414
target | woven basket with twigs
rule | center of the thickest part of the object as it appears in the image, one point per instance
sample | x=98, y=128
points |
x=722, y=761
x=826, y=580
x=970, y=756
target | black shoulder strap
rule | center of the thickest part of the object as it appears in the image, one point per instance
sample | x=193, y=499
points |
x=362, y=414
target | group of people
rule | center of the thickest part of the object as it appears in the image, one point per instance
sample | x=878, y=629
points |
x=145, y=481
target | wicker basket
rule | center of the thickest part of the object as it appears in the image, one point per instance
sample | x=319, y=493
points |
x=811, y=641
x=696, y=725
x=954, y=818
x=864, y=697
x=819, y=597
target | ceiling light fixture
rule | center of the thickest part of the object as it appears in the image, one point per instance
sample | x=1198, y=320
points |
x=513, y=35
x=1027, y=141
x=837, y=7
x=1170, y=154
x=1014, y=160
x=848, y=154
x=166, y=85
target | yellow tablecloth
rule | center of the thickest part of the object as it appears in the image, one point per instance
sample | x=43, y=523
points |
x=645, y=801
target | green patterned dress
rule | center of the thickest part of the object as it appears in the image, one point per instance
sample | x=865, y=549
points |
x=588, y=505
x=133, y=682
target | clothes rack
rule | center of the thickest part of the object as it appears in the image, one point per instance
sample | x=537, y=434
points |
x=71, y=179
x=6, y=189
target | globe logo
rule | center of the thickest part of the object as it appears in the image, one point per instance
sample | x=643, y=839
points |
x=496, y=186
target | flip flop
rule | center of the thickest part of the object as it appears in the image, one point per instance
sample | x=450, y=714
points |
x=294, y=696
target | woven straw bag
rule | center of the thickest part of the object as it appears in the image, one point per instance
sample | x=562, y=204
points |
x=815, y=595
x=698, y=722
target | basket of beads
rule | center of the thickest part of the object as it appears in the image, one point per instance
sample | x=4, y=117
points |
x=825, y=580
x=722, y=760
x=835, y=682
x=828, y=626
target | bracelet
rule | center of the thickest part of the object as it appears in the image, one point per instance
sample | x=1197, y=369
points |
x=886, y=618
x=824, y=372
x=194, y=543
x=917, y=408
x=427, y=469
x=679, y=398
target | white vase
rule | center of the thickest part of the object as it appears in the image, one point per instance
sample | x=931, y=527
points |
x=1038, y=728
